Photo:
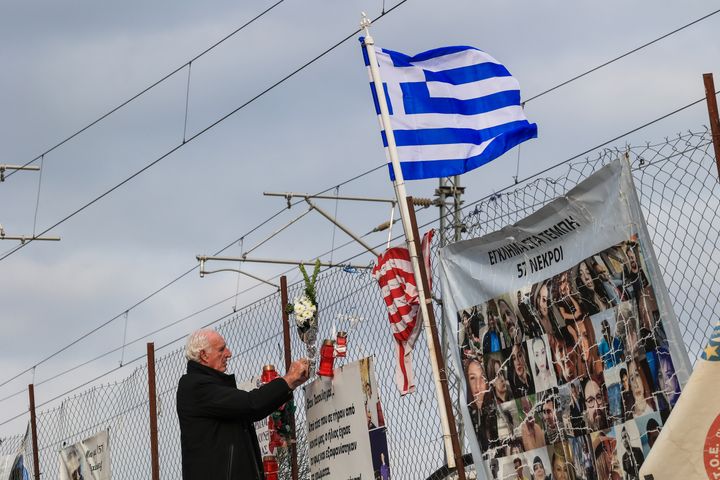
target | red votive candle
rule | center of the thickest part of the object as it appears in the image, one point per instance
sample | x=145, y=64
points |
x=268, y=374
x=341, y=344
x=327, y=357
x=270, y=467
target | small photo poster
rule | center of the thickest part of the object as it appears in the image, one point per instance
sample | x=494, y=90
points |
x=87, y=460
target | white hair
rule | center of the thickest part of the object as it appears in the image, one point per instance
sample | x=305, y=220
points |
x=196, y=342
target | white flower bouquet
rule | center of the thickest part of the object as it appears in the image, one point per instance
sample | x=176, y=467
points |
x=305, y=310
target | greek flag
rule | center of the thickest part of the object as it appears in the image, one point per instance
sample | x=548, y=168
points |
x=452, y=109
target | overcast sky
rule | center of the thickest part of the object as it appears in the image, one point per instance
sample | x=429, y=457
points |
x=66, y=63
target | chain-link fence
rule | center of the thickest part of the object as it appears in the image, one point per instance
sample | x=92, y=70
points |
x=680, y=196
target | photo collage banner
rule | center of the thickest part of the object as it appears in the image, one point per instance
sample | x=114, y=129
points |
x=571, y=354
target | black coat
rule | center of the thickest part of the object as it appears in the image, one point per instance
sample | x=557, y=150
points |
x=216, y=424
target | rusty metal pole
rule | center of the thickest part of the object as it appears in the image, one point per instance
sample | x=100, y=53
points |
x=713, y=113
x=33, y=427
x=454, y=439
x=152, y=394
x=288, y=360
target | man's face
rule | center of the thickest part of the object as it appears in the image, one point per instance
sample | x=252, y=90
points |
x=595, y=402
x=216, y=354
x=518, y=466
x=668, y=380
x=626, y=440
x=602, y=272
x=632, y=259
x=549, y=414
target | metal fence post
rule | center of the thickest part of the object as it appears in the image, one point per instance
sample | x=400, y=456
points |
x=288, y=360
x=713, y=113
x=33, y=427
x=155, y=460
x=457, y=449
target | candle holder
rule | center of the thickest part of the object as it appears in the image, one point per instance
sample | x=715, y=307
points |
x=327, y=358
x=341, y=344
x=268, y=374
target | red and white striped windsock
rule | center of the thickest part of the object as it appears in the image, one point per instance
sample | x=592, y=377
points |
x=394, y=273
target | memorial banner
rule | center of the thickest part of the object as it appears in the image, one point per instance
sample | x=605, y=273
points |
x=345, y=425
x=87, y=460
x=571, y=352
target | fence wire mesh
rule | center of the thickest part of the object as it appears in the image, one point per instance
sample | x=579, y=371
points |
x=680, y=196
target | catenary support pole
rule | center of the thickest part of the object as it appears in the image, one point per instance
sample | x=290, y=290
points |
x=33, y=427
x=714, y=118
x=399, y=185
x=430, y=320
x=288, y=360
x=152, y=395
x=457, y=202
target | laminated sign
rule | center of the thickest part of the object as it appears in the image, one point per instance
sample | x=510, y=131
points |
x=346, y=426
x=571, y=352
x=87, y=460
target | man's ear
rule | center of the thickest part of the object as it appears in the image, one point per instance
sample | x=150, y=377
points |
x=203, y=356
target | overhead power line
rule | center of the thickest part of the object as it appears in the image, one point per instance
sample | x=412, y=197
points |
x=165, y=155
x=629, y=52
x=198, y=134
x=152, y=85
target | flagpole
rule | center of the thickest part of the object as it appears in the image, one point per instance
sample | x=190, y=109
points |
x=400, y=193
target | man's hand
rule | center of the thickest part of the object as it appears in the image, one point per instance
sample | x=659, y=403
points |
x=298, y=373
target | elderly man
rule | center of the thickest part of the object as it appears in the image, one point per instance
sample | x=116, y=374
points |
x=216, y=419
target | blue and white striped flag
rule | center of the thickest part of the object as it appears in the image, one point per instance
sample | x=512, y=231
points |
x=452, y=109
